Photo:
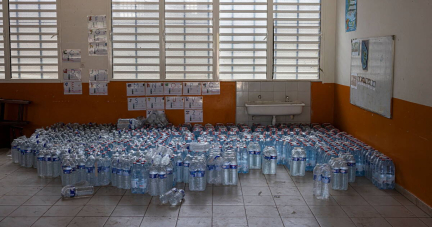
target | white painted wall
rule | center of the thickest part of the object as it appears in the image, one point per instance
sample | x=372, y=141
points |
x=73, y=32
x=410, y=22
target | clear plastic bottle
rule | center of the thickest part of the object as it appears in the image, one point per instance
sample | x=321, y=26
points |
x=218, y=175
x=91, y=172
x=351, y=162
x=48, y=165
x=302, y=162
x=164, y=198
x=15, y=151
x=41, y=164
x=70, y=191
x=336, y=175
x=114, y=165
x=391, y=171
x=243, y=162
x=344, y=174
x=177, y=198
x=295, y=162
x=81, y=170
x=136, y=172
x=326, y=173
x=143, y=182
x=178, y=171
x=233, y=171
x=226, y=171
x=317, y=181
x=162, y=181
x=153, y=181
x=67, y=176
x=56, y=164
x=126, y=173
x=186, y=165
x=170, y=176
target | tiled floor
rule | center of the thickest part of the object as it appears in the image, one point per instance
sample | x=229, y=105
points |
x=258, y=200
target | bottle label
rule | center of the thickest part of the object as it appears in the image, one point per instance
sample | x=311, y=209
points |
x=72, y=192
x=326, y=180
x=114, y=170
x=153, y=176
x=55, y=159
x=343, y=171
x=192, y=173
x=186, y=164
x=295, y=159
x=134, y=183
x=179, y=163
x=336, y=170
x=257, y=152
x=162, y=176
x=118, y=171
x=302, y=159
x=142, y=184
x=41, y=159
x=199, y=173
x=267, y=157
x=351, y=164
x=226, y=166
x=251, y=152
x=211, y=167
x=273, y=157
x=169, y=171
x=126, y=172
x=317, y=177
x=233, y=166
x=67, y=170
x=81, y=166
x=90, y=169
x=48, y=159
x=27, y=151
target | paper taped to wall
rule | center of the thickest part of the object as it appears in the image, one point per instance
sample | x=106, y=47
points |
x=135, y=89
x=194, y=116
x=211, y=88
x=98, y=75
x=72, y=74
x=72, y=88
x=175, y=102
x=71, y=55
x=137, y=104
x=98, y=88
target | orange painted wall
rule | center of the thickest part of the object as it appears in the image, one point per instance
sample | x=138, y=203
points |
x=406, y=138
x=50, y=105
x=322, y=107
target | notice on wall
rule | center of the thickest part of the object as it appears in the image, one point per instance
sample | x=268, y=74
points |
x=171, y=88
x=366, y=82
x=355, y=47
x=175, y=102
x=72, y=88
x=135, y=89
x=210, y=88
x=98, y=49
x=71, y=55
x=72, y=74
x=97, y=35
x=192, y=88
x=98, y=75
x=98, y=88
x=149, y=112
x=97, y=21
x=193, y=116
x=137, y=104
x=193, y=102
x=353, y=80
x=350, y=15
x=155, y=89
x=155, y=103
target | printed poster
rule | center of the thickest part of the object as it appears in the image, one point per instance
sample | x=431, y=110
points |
x=355, y=47
x=71, y=55
x=353, y=81
x=98, y=75
x=171, y=88
x=137, y=104
x=97, y=21
x=155, y=89
x=98, y=88
x=211, y=88
x=98, y=49
x=194, y=116
x=72, y=88
x=350, y=15
x=365, y=54
x=98, y=35
x=193, y=102
x=175, y=102
x=135, y=89
x=155, y=103
x=192, y=88
x=72, y=74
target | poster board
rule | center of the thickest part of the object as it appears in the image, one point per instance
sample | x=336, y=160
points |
x=371, y=77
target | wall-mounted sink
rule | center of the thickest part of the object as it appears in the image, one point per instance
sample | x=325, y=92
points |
x=270, y=108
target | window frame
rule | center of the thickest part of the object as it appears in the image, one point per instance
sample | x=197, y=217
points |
x=8, y=55
x=270, y=47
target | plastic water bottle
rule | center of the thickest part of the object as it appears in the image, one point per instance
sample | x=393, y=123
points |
x=192, y=172
x=91, y=172
x=178, y=168
x=56, y=165
x=135, y=178
x=218, y=175
x=164, y=198
x=233, y=171
x=311, y=158
x=153, y=181
x=186, y=165
x=126, y=171
x=226, y=172
x=344, y=175
x=243, y=162
x=336, y=175
x=317, y=181
x=170, y=176
x=325, y=181
x=177, y=198
x=302, y=162
x=67, y=172
x=15, y=151
x=143, y=179
x=28, y=156
x=351, y=163
x=70, y=191
x=41, y=164
x=114, y=165
x=211, y=169
x=382, y=173
x=295, y=162
x=390, y=179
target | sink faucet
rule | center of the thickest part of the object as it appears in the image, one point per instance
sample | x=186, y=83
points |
x=287, y=98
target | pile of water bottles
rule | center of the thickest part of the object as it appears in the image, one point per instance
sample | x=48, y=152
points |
x=154, y=160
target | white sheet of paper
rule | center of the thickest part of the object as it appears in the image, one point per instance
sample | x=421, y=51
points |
x=151, y=111
x=192, y=88
x=72, y=74
x=210, y=88
x=173, y=88
x=71, y=55
x=98, y=49
x=98, y=88
x=155, y=89
x=97, y=21
x=135, y=89
x=72, y=88
x=98, y=75
x=175, y=102
x=155, y=103
x=98, y=35
x=192, y=116
x=193, y=102
x=137, y=104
